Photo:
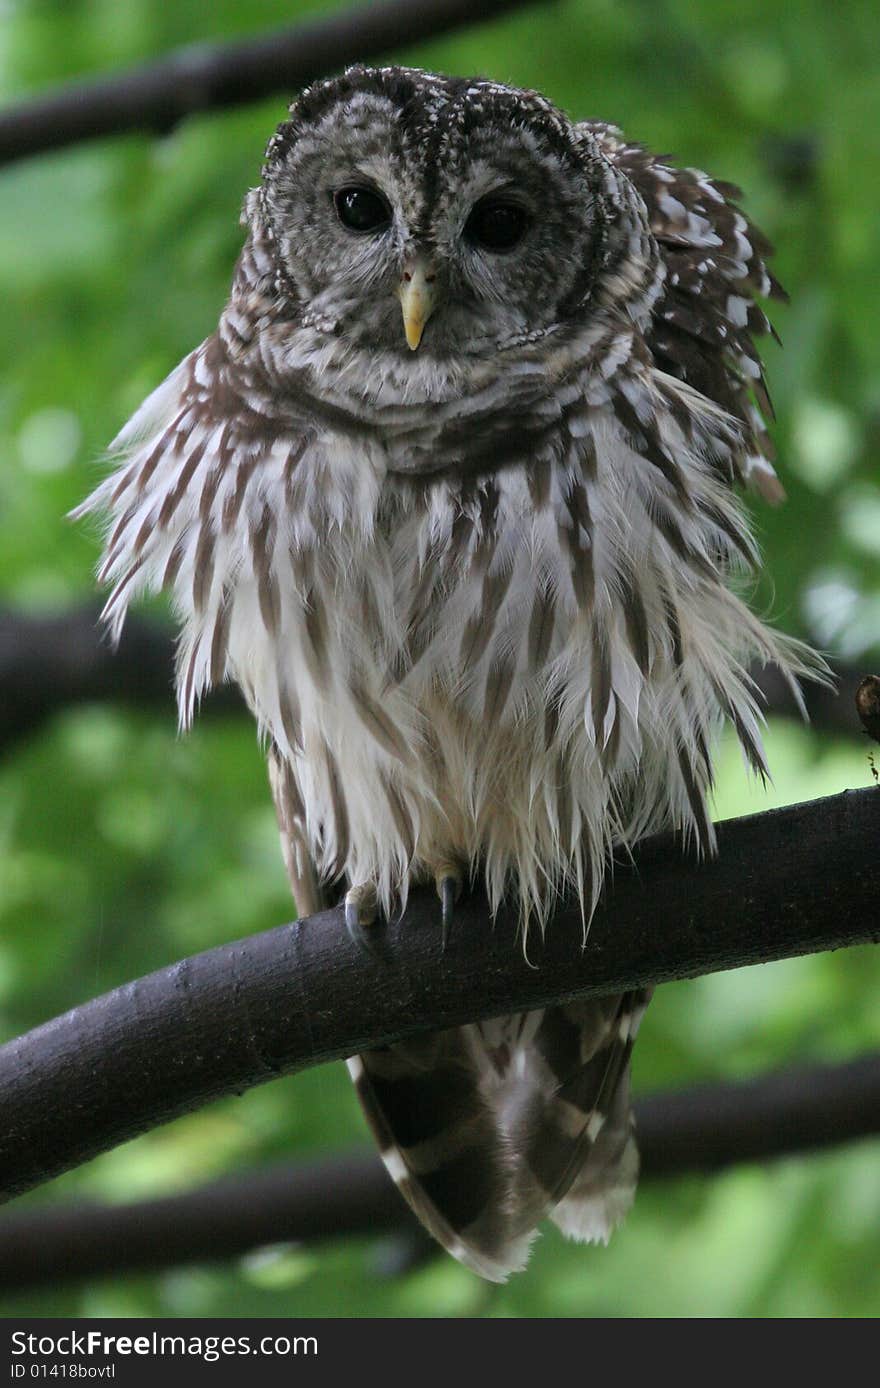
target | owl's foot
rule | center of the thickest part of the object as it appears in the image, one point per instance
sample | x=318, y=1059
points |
x=360, y=910
x=448, y=881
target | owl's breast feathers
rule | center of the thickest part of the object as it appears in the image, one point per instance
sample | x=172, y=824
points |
x=523, y=662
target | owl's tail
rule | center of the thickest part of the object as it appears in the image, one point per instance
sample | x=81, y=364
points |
x=487, y=1129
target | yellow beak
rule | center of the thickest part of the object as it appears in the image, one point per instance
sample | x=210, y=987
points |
x=416, y=294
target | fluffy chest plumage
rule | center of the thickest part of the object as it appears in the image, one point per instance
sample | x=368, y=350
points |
x=481, y=668
x=521, y=664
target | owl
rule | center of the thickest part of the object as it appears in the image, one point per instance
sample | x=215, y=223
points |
x=451, y=493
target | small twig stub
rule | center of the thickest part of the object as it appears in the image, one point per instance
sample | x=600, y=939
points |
x=868, y=705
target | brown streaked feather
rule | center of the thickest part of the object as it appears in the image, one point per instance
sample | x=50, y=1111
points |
x=220, y=637
x=578, y=507
x=612, y=745
x=697, y=801
x=636, y=622
x=487, y=526
x=551, y=720
x=587, y=457
x=459, y=541
x=377, y=722
x=538, y=478
x=291, y=719
x=646, y=442
x=117, y=600
x=175, y=559
x=203, y=567
x=673, y=625
x=540, y=633
x=294, y=458
x=210, y=487
x=737, y=534
x=564, y=803
x=754, y=752
x=148, y=528
x=235, y=497
x=480, y=628
x=498, y=682
x=315, y=649
x=262, y=536
x=600, y=681
x=152, y=460
x=113, y=542
x=187, y=683
x=339, y=810
x=174, y=497
x=307, y=892
x=580, y=552
x=668, y=526
x=402, y=819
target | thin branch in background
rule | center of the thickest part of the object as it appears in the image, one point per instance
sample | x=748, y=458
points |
x=209, y=76
x=703, y=1128
x=784, y=883
x=48, y=664
x=51, y=663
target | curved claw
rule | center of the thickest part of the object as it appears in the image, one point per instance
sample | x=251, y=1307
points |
x=449, y=890
x=360, y=913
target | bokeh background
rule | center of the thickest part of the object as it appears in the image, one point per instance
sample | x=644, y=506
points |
x=123, y=847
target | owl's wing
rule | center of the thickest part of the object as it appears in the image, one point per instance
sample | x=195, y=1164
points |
x=706, y=318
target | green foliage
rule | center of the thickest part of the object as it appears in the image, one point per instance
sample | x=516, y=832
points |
x=123, y=848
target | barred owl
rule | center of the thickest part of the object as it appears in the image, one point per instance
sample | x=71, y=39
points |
x=450, y=493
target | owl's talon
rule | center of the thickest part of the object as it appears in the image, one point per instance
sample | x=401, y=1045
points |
x=449, y=890
x=360, y=912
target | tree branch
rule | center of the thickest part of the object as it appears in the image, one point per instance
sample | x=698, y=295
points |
x=49, y=663
x=699, y=1129
x=207, y=76
x=784, y=883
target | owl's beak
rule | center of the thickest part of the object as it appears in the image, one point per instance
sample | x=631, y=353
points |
x=417, y=298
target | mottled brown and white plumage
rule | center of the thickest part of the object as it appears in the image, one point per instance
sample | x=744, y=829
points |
x=450, y=494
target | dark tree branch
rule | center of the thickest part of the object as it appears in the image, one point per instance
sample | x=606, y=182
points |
x=784, y=883
x=49, y=663
x=333, y=1198
x=207, y=76
x=700, y=1129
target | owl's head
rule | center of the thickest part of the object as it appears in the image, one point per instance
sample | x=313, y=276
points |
x=411, y=212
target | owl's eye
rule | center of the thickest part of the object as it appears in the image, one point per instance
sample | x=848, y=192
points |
x=361, y=209
x=496, y=225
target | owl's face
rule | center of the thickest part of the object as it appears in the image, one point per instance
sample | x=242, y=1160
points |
x=412, y=213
